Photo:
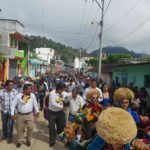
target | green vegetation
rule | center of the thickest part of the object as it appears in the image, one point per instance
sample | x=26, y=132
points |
x=2, y=58
x=111, y=59
x=110, y=50
x=67, y=53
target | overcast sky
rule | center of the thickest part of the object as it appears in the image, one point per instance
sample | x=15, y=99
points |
x=126, y=23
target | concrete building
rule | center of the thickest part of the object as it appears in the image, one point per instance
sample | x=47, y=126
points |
x=76, y=63
x=137, y=73
x=45, y=54
x=14, y=47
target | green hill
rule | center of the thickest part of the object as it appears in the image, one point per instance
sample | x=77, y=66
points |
x=67, y=53
x=118, y=50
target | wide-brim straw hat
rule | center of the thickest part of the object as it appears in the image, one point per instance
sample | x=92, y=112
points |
x=116, y=126
x=123, y=93
x=91, y=93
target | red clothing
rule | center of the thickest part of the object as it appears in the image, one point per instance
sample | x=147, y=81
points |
x=94, y=106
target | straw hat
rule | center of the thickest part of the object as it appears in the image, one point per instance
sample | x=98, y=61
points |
x=123, y=93
x=92, y=93
x=116, y=126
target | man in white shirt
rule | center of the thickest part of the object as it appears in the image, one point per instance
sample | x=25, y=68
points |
x=71, y=86
x=6, y=98
x=25, y=103
x=56, y=113
x=75, y=103
x=93, y=85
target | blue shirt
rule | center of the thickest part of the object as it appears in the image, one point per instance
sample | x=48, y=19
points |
x=134, y=115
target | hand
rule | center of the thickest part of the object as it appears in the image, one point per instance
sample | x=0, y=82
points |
x=37, y=115
x=138, y=145
x=13, y=117
x=69, y=132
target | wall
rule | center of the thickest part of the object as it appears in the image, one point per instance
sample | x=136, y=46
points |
x=45, y=53
x=133, y=74
x=8, y=27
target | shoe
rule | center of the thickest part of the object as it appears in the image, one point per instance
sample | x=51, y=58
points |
x=18, y=145
x=52, y=143
x=9, y=141
x=28, y=143
x=2, y=138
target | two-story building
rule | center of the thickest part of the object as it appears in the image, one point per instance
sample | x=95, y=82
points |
x=14, y=47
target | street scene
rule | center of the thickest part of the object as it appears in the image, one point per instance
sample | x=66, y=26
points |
x=75, y=75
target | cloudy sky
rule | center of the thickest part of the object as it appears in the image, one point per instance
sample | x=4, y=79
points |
x=126, y=22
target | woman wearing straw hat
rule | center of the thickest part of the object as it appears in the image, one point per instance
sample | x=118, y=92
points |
x=124, y=96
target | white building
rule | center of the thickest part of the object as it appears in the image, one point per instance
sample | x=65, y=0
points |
x=45, y=54
x=76, y=63
x=81, y=63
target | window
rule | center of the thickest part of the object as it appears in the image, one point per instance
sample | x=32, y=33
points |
x=147, y=81
x=13, y=42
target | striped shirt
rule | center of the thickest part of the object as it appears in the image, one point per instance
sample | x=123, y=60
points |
x=6, y=98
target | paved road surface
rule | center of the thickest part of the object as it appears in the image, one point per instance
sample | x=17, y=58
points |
x=39, y=141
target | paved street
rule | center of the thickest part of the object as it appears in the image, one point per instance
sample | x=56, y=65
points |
x=39, y=141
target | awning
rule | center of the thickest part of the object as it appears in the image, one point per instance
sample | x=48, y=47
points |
x=36, y=62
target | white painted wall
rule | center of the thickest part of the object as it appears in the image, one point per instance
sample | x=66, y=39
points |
x=45, y=53
x=76, y=63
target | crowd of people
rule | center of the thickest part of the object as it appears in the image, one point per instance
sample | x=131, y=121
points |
x=80, y=112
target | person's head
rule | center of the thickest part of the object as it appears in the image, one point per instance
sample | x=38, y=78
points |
x=92, y=95
x=27, y=89
x=71, y=81
x=124, y=97
x=93, y=83
x=116, y=126
x=124, y=103
x=105, y=87
x=9, y=85
x=60, y=88
x=75, y=92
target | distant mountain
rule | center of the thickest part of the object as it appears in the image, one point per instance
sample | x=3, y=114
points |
x=118, y=50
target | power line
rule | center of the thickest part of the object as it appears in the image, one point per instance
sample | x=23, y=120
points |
x=32, y=27
x=122, y=17
x=85, y=38
x=90, y=10
x=84, y=6
x=94, y=36
x=139, y=26
x=99, y=24
x=107, y=7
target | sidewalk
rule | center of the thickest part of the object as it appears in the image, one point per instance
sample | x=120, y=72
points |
x=40, y=139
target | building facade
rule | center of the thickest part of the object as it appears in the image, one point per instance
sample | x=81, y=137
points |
x=14, y=47
x=138, y=74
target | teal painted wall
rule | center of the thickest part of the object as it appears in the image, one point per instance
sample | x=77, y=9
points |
x=135, y=74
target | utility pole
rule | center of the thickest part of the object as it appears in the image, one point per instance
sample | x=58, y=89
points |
x=80, y=64
x=101, y=24
x=99, y=74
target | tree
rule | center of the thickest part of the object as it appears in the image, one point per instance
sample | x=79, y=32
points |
x=92, y=62
x=111, y=59
x=114, y=58
x=67, y=53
